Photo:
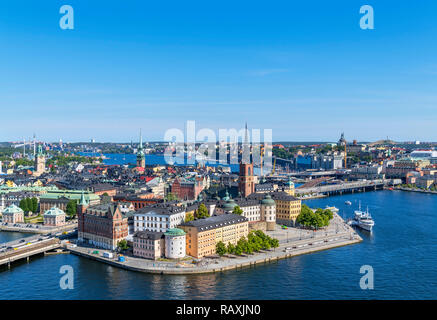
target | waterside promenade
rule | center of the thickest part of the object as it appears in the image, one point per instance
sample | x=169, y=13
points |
x=294, y=243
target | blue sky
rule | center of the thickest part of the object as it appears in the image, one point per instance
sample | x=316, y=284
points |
x=302, y=68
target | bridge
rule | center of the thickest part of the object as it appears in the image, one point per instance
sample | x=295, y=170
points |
x=14, y=251
x=349, y=187
x=314, y=182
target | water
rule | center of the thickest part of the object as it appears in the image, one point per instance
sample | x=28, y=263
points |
x=401, y=250
x=11, y=236
x=154, y=159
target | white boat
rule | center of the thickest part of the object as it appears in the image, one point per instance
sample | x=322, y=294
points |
x=363, y=219
x=348, y=203
x=333, y=209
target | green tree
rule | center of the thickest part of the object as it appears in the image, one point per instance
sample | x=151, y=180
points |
x=71, y=209
x=238, y=250
x=23, y=205
x=231, y=248
x=122, y=245
x=237, y=210
x=220, y=248
x=171, y=197
x=189, y=217
x=34, y=202
x=274, y=243
x=202, y=212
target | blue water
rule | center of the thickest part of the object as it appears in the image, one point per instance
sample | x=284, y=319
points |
x=401, y=250
x=151, y=159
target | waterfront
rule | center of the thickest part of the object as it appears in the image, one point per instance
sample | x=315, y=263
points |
x=401, y=250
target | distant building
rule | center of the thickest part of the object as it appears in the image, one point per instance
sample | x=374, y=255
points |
x=187, y=189
x=54, y=217
x=40, y=162
x=60, y=198
x=13, y=214
x=141, y=157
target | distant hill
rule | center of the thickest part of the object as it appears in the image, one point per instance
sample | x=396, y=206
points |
x=382, y=142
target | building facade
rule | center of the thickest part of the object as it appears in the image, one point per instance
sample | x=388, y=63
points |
x=149, y=245
x=175, y=243
x=158, y=218
x=13, y=214
x=101, y=225
x=202, y=235
x=54, y=217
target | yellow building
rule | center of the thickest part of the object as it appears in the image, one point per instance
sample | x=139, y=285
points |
x=287, y=206
x=204, y=234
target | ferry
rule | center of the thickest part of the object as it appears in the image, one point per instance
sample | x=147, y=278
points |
x=362, y=219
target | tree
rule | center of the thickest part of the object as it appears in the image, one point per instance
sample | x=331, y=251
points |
x=71, y=209
x=220, y=248
x=122, y=245
x=237, y=210
x=202, y=212
x=171, y=197
x=231, y=248
x=189, y=217
x=274, y=243
x=34, y=202
x=238, y=250
x=23, y=205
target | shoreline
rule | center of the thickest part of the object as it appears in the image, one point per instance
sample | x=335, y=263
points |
x=227, y=262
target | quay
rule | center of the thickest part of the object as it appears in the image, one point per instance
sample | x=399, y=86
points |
x=295, y=243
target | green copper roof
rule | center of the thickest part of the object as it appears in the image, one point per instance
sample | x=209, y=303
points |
x=69, y=194
x=54, y=211
x=12, y=209
x=175, y=232
x=229, y=205
x=268, y=201
x=83, y=201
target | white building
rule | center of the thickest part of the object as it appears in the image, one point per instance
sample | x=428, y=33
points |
x=175, y=242
x=158, y=218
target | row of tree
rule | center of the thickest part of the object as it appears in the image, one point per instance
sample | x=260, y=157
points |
x=315, y=220
x=29, y=204
x=255, y=242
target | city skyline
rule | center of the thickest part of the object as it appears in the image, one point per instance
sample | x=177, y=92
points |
x=307, y=72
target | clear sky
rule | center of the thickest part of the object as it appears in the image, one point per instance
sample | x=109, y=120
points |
x=302, y=68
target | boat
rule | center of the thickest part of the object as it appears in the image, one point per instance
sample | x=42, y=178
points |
x=362, y=219
x=348, y=203
x=333, y=209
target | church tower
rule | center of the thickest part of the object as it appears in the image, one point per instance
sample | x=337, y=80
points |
x=141, y=157
x=246, y=184
x=40, y=162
